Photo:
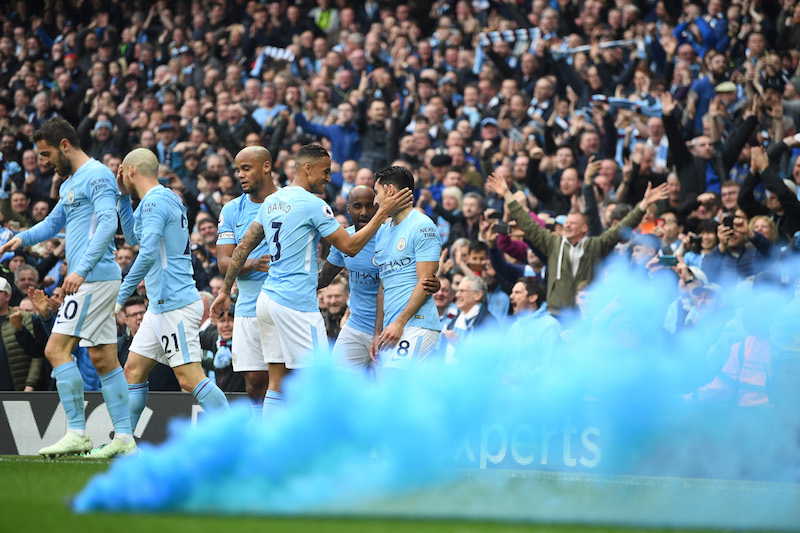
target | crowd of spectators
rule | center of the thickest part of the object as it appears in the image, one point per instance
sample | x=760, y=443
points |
x=661, y=131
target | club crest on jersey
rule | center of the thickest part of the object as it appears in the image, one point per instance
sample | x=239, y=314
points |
x=401, y=245
x=71, y=196
x=327, y=211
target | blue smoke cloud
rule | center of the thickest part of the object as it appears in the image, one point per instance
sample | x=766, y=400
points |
x=610, y=422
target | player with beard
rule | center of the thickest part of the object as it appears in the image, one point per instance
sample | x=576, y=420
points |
x=254, y=167
x=87, y=209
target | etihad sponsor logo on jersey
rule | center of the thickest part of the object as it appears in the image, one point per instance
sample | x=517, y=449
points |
x=393, y=266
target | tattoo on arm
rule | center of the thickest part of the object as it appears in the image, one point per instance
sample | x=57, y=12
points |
x=326, y=275
x=253, y=236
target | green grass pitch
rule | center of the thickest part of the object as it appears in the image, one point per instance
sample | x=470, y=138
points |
x=34, y=495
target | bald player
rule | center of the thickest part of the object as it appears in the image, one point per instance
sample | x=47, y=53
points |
x=351, y=350
x=254, y=169
x=169, y=332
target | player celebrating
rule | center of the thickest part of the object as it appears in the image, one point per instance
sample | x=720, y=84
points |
x=406, y=252
x=169, y=332
x=293, y=220
x=351, y=350
x=254, y=165
x=87, y=209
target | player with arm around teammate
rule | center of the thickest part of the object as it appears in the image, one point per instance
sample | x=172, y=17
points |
x=254, y=168
x=407, y=251
x=292, y=221
x=170, y=330
x=87, y=211
x=351, y=350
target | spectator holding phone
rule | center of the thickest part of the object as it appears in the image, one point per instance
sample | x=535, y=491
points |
x=741, y=252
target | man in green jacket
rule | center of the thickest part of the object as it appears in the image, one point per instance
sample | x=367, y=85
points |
x=571, y=259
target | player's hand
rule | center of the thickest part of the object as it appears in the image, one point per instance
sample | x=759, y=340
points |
x=390, y=335
x=257, y=264
x=221, y=305
x=72, y=283
x=120, y=183
x=398, y=201
x=375, y=349
x=11, y=245
x=431, y=285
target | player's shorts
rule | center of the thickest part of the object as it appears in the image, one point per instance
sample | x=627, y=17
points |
x=171, y=338
x=246, y=349
x=289, y=336
x=351, y=351
x=412, y=349
x=89, y=313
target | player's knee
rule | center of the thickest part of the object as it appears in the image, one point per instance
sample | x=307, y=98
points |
x=103, y=362
x=132, y=374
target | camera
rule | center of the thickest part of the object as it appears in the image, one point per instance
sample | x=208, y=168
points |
x=502, y=228
x=727, y=220
x=695, y=242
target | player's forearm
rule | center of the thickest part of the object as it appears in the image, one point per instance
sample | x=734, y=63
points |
x=251, y=238
x=125, y=211
x=103, y=235
x=418, y=297
x=326, y=275
x=359, y=239
x=235, y=265
x=379, y=313
x=141, y=266
x=46, y=229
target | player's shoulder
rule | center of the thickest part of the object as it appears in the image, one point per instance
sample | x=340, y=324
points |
x=234, y=206
x=420, y=220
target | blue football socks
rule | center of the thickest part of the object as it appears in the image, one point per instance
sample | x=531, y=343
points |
x=137, y=395
x=209, y=396
x=69, y=384
x=115, y=394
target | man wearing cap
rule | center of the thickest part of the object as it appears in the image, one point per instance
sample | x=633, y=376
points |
x=21, y=355
x=167, y=139
x=101, y=138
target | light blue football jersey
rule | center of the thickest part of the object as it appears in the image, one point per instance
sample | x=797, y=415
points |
x=293, y=221
x=398, y=248
x=234, y=220
x=364, y=282
x=87, y=210
x=160, y=227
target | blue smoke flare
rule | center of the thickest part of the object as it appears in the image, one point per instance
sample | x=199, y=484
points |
x=627, y=423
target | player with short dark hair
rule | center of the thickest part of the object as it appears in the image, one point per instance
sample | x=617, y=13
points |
x=406, y=252
x=87, y=211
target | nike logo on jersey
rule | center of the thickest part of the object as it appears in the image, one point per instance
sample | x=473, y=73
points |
x=242, y=224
